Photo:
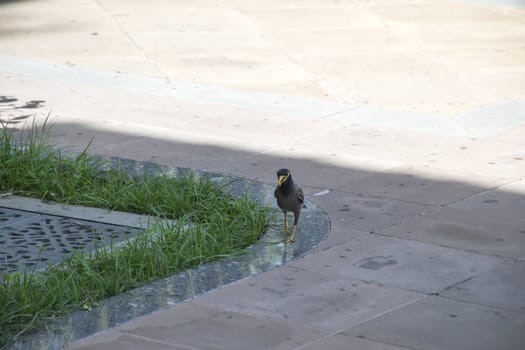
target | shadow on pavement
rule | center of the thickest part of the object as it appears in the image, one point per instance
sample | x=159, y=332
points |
x=448, y=212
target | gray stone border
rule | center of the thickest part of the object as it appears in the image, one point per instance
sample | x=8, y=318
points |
x=269, y=252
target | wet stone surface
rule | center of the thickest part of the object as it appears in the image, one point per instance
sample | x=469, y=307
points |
x=267, y=253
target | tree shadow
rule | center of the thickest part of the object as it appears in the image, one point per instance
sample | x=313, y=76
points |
x=447, y=212
x=5, y=2
x=460, y=213
x=453, y=213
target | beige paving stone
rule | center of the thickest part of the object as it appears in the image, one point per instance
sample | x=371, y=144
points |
x=101, y=136
x=411, y=67
x=473, y=225
x=479, y=163
x=339, y=233
x=123, y=341
x=368, y=78
x=40, y=30
x=376, y=143
x=485, y=163
x=427, y=185
x=206, y=327
x=502, y=287
x=328, y=303
x=184, y=47
x=321, y=170
x=341, y=341
x=259, y=131
x=494, y=118
x=202, y=327
x=367, y=213
x=501, y=82
x=506, y=202
x=398, y=263
x=438, y=323
x=512, y=136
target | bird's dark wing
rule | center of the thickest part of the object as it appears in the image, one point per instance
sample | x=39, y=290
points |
x=300, y=195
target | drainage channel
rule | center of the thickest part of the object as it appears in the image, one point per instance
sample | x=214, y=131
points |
x=34, y=234
x=31, y=241
x=81, y=223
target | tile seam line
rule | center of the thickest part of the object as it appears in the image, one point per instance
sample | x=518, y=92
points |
x=153, y=340
x=269, y=38
x=470, y=251
x=490, y=306
x=330, y=334
x=427, y=56
x=214, y=94
x=341, y=111
x=44, y=68
x=483, y=191
x=304, y=137
x=131, y=39
x=430, y=208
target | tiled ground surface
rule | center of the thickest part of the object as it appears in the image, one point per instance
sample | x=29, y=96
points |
x=410, y=114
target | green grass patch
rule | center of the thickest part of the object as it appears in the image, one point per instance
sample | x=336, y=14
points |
x=210, y=224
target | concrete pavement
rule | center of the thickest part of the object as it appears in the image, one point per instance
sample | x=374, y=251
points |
x=403, y=120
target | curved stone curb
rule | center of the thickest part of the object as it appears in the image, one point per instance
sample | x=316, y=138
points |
x=269, y=252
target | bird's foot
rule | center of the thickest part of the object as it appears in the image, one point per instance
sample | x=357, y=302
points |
x=291, y=236
x=289, y=240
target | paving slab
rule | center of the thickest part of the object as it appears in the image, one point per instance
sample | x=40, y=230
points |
x=489, y=223
x=131, y=342
x=513, y=136
x=493, y=119
x=503, y=287
x=86, y=29
x=328, y=303
x=341, y=341
x=431, y=186
x=203, y=327
x=314, y=170
x=401, y=119
x=505, y=202
x=71, y=75
x=185, y=48
x=484, y=162
x=367, y=213
x=339, y=233
x=437, y=323
x=401, y=263
x=427, y=96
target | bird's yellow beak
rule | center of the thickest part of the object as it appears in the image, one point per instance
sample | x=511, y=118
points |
x=282, y=179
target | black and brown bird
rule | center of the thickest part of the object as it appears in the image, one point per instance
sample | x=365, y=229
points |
x=290, y=197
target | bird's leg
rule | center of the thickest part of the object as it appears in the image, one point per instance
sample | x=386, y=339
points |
x=294, y=228
x=285, y=223
x=290, y=238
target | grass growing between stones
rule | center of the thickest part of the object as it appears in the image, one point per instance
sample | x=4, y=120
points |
x=210, y=224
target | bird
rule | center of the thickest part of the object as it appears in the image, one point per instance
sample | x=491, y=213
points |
x=290, y=197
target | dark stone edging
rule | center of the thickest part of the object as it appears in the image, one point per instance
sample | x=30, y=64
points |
x=260, y=257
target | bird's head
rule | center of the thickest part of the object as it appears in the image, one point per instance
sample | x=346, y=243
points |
x=282, y=176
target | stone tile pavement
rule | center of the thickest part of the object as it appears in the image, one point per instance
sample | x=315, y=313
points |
x=404, y=120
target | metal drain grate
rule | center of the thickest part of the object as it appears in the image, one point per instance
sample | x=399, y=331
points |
x=33, y=241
